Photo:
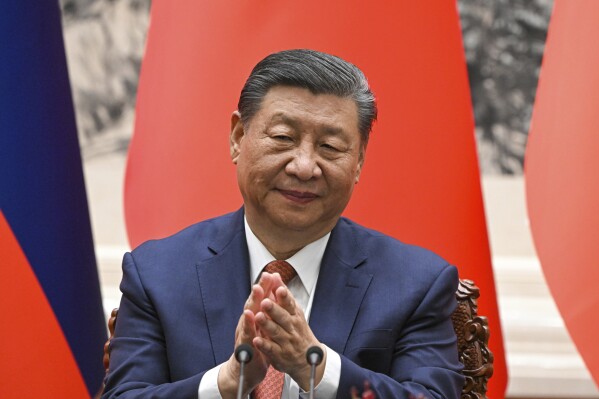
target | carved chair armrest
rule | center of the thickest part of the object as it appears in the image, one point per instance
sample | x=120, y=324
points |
x=472, y=332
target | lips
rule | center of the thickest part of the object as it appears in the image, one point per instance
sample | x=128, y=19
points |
x=300, y=197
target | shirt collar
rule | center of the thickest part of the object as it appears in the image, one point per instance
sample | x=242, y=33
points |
x=306, y=261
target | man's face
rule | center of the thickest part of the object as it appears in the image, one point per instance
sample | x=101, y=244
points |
x=297, y=161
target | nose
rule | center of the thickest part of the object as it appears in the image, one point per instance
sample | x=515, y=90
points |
x=304, y=164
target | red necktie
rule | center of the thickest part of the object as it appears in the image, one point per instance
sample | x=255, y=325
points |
x=271, y=386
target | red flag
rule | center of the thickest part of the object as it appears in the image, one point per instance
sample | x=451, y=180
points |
x=420, y=182
x=562, y=166
x=39, y=362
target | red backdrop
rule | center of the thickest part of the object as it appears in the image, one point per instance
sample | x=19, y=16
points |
x=562, y=171
x=420, y=182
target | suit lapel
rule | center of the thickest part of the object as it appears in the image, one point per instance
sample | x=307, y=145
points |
x=224, y=281
x=340, y=289
x=225, y=285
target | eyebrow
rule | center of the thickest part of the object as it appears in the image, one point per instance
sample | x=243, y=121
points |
x=286, y=119
x=296, y=123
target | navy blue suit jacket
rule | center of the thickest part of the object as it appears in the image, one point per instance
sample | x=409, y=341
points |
x=384, y=306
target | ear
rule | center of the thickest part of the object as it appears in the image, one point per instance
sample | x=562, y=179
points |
x=360, y=164
x=236, y=136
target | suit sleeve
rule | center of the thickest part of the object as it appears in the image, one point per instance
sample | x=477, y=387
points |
x=424, y=360
x=138, y=360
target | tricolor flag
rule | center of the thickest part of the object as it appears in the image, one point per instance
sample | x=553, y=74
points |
x=52, y=329
x=421, y=180
x=562, y=171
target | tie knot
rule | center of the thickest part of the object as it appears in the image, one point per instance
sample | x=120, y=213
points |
x=286, y=271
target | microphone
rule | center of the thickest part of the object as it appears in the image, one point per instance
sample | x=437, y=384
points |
x=314, y=357
x=243, y=354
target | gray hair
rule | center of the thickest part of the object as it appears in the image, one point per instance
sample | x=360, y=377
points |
x=318, y=72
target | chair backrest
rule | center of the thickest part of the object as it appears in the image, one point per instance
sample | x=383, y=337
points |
x=111, y=325
x=471, y=329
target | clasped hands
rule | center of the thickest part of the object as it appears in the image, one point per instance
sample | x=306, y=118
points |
x=275, y=326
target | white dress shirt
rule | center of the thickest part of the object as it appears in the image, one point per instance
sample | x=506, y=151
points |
x=306, y=263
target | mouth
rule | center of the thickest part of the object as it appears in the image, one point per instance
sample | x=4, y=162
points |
x=300, y=197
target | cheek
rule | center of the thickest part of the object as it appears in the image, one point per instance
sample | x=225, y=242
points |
x=341, y=181
x=260, y=173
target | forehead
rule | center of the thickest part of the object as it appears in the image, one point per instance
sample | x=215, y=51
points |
x=298, y=105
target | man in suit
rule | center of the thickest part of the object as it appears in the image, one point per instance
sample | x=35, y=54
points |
x=379, y=309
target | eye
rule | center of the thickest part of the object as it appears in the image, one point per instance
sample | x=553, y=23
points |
x=329, y=147
x=282, y=137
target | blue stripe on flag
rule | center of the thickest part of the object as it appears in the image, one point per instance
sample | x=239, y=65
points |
x=42, y=190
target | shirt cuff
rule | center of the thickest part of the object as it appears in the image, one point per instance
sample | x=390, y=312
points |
x=328, y=386
x=209, y=384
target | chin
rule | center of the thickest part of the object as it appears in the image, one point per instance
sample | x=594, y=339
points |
x=297, y=226
x=300, y=223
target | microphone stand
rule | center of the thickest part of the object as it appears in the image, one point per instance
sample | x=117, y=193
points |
x=314, y=357
x=243, y=354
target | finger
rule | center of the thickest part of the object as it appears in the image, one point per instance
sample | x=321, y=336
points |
x=274, y=321
x=286, y=300
x=277, y=282
x=247, y=330
x=256, y=296
x=266, y=347
x=269, y=283
x=274, y=280
x=265, y=327
x=265, y=281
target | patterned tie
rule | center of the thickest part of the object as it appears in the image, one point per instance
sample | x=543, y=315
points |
x=271, y=386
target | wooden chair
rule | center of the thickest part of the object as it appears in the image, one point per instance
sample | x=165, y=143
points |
x=472, y=332
x=111, y=325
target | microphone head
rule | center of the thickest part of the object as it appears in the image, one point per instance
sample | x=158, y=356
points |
x=244, y=353
x=314, y=355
